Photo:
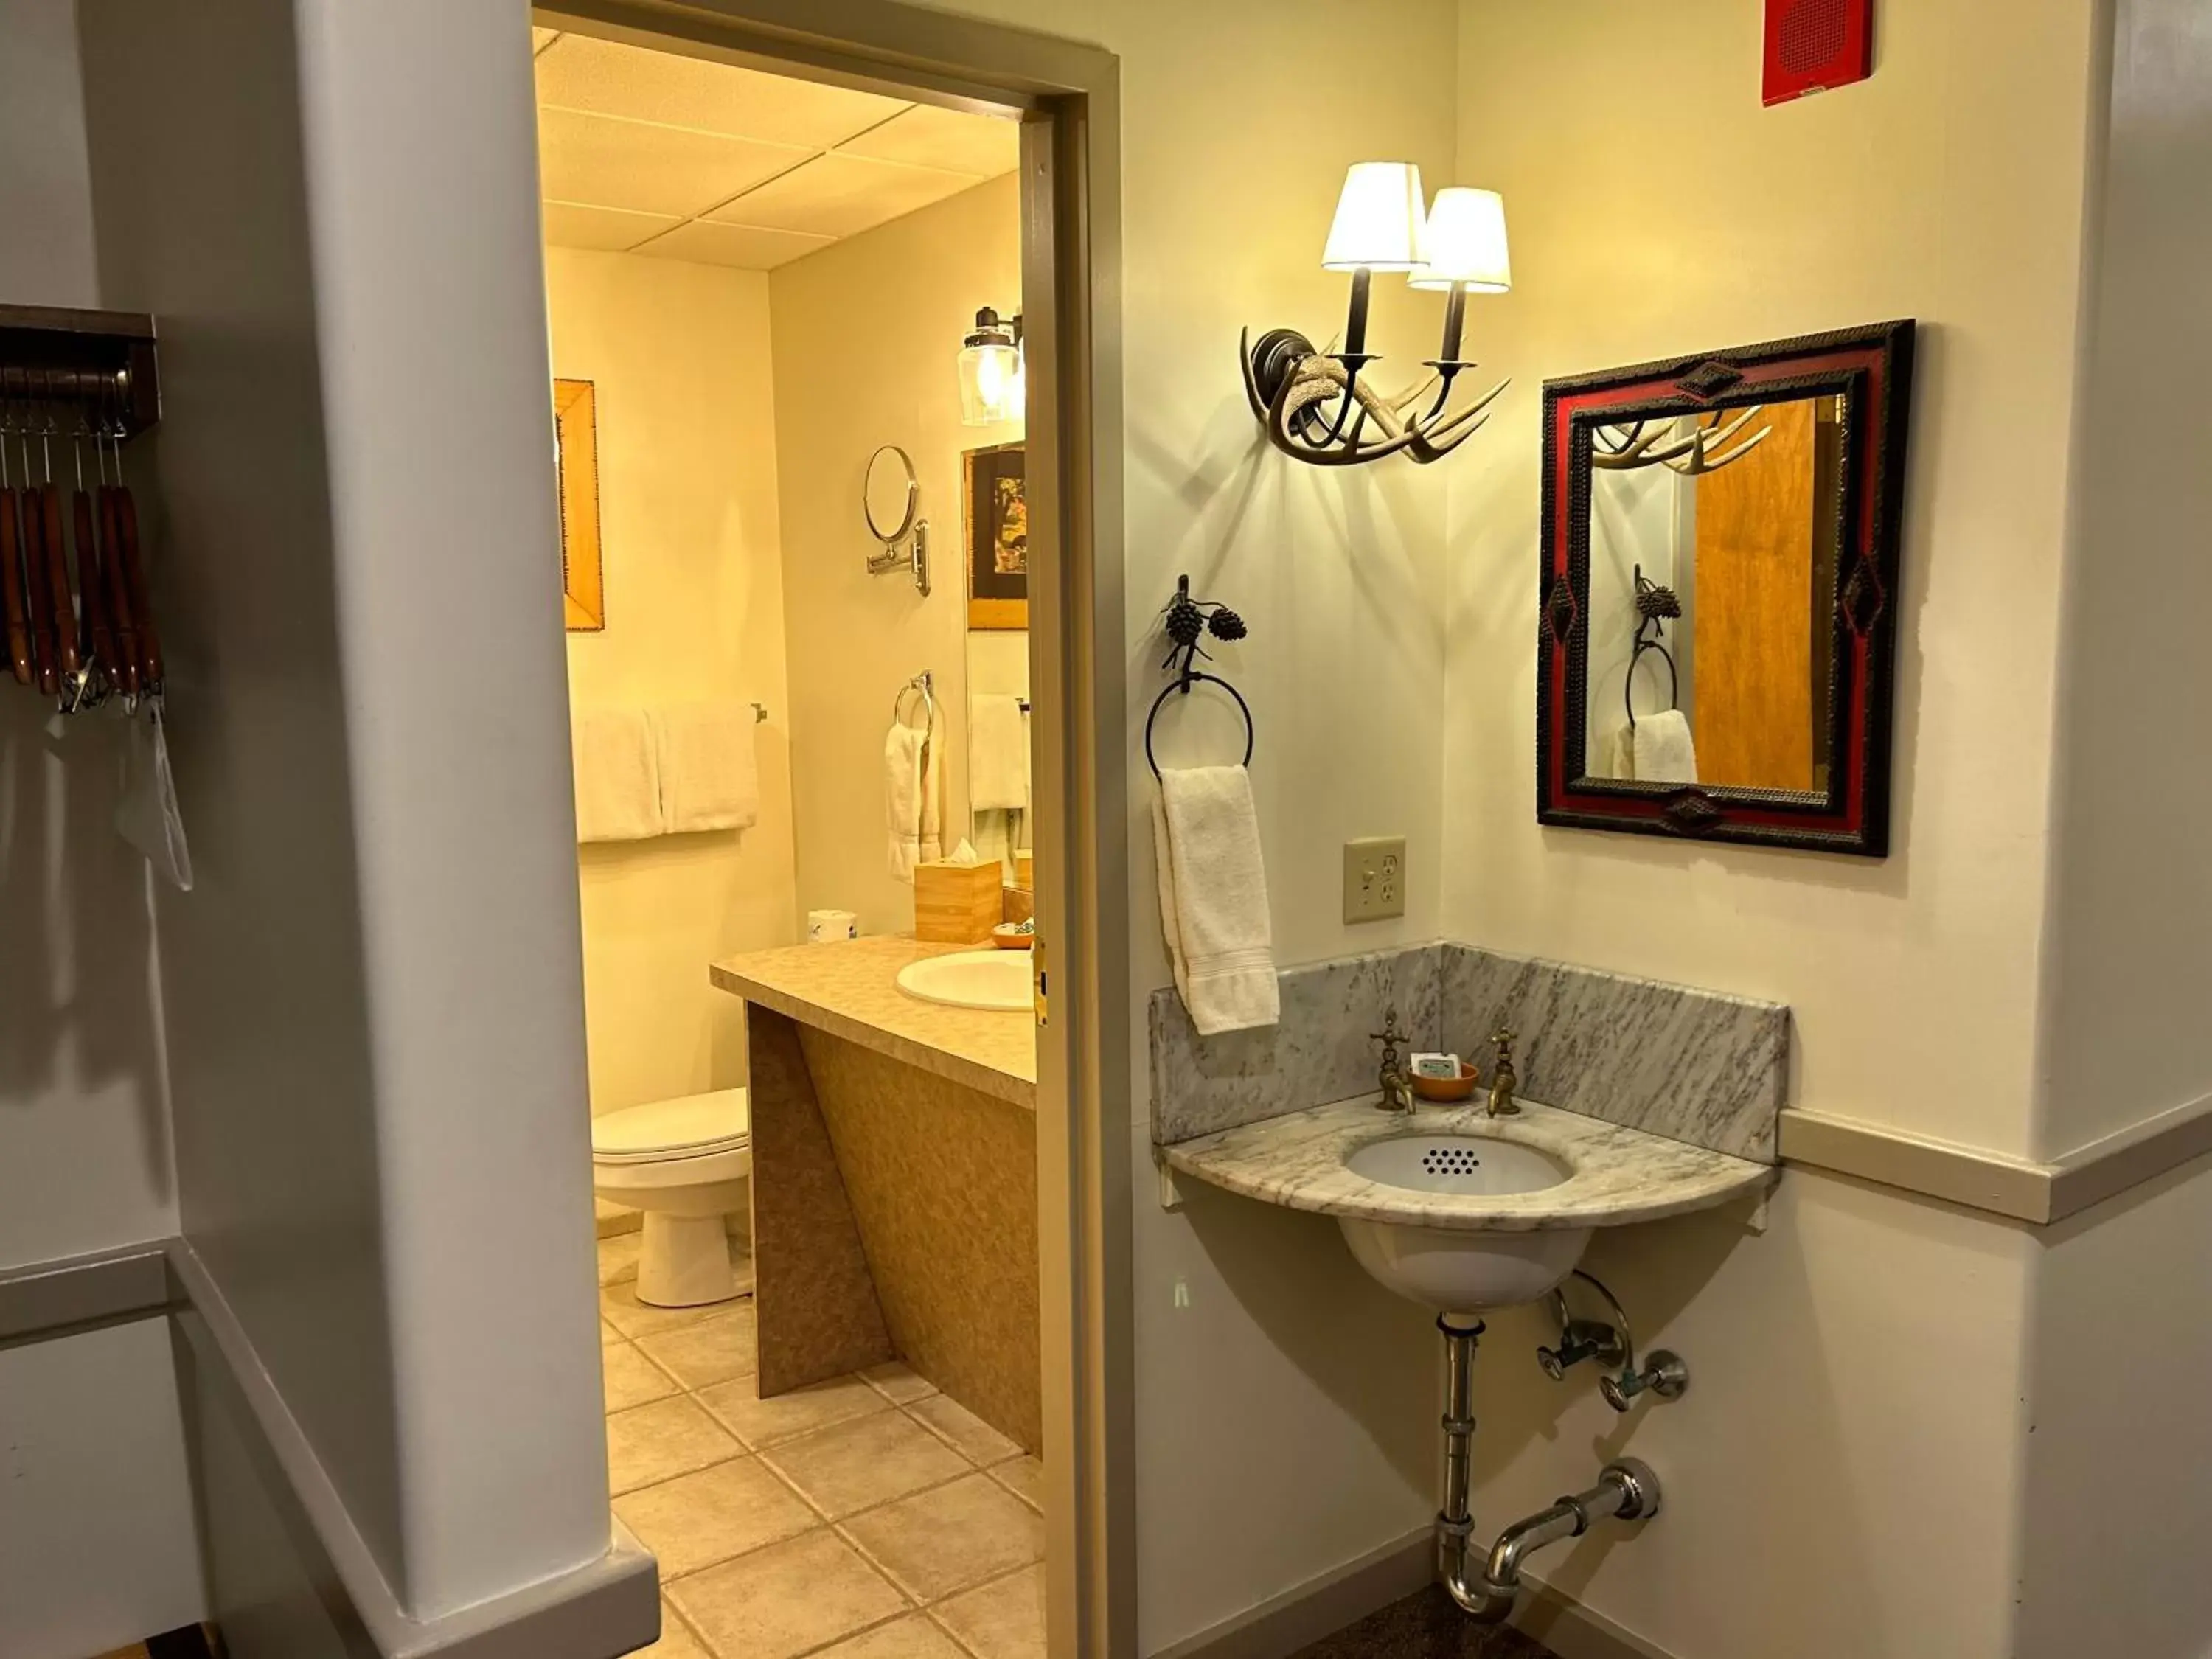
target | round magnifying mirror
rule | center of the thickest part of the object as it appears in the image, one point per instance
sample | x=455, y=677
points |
x=888, y=494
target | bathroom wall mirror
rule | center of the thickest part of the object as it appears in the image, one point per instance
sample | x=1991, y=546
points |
x=994, y=543
x=1717, y=624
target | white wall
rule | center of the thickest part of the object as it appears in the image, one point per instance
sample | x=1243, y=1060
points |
x=375, y=992
x=868, y=339
x=97, y=1541
x=679, y=357
x=1855, y=1413
x=2114, y=1556
x=2123, y=1034
x=84, y=1134
x=2117, y=1336
x=98, y=1546
x=1938, y=190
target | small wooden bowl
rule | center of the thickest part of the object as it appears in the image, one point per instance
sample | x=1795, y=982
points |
x=1446, y=1088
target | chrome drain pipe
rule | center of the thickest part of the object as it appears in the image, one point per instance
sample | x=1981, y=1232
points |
x=1626, y=1489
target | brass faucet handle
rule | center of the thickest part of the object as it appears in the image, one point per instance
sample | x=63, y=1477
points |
x=1389, y=1036
x=1502, y=1039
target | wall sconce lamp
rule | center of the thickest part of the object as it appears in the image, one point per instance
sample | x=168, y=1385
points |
x=993, y=374
x=1313, y=403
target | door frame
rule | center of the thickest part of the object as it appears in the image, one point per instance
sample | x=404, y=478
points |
x=1068, y=93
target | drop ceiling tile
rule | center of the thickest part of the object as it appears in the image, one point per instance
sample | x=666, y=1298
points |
x=837, y=194
x=611, y=230
x=706, y=243
x=926, y=136
x=609, y=78
x=601, y=161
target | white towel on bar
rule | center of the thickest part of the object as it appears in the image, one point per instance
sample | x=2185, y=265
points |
x=910, y=796
x=998, y=754
x=1663, y=749
x=708, y=776
x=617, y=784
x=1213, y=897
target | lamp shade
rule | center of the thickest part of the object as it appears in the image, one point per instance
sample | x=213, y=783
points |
x=1466, y=243
x=1378, y=219
x=991, y=372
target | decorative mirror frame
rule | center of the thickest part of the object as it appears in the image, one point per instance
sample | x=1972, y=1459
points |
x=1870, y=368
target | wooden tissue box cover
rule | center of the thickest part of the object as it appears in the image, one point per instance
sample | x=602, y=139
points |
x=956, y=903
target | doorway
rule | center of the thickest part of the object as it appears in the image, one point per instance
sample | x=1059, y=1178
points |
x=1063, y=97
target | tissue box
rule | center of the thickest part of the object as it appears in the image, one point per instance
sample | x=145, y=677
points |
x=956, y=903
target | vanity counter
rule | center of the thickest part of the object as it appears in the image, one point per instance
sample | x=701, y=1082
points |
x=849, y=989
x=1617, y=1174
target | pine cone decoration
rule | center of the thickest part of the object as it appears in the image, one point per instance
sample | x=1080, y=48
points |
x=1655, y=601
x=1225, y=625
x=1186, y=621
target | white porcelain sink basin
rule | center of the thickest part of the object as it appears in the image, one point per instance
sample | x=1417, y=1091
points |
x=994, y=980
x=1452, y=1269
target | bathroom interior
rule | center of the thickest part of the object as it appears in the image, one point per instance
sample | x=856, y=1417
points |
x=784, y=320
x=1660, y=963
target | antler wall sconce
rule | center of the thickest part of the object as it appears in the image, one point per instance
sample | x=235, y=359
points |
x=1703, y=448
x=1314, y=404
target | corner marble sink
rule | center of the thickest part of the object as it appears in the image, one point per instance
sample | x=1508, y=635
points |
x=995, y=981
x=1457, y=1209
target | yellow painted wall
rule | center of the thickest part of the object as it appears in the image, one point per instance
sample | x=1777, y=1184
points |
x=679, y=356
x=868, y=341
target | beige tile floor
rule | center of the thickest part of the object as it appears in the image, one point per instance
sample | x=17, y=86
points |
x=867, y=1517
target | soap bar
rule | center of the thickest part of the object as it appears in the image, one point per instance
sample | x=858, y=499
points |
x=1445, y=1067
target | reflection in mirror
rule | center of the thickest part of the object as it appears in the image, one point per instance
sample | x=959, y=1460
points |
x=1713, y=547
x=995, y=549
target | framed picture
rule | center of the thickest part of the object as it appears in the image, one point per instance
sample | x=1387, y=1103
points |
x=576, y=449
x=996, y=515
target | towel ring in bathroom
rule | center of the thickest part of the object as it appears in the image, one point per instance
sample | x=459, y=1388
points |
x=1187, y=621
x=1184, y=686
x=922, y=685
x=1654, y=604
x=912, y=530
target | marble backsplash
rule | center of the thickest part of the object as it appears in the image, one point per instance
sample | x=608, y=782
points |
x=1699, y=1067
x=1318, y=1052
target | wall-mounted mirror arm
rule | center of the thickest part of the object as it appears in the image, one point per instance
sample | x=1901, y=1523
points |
x=906, y=546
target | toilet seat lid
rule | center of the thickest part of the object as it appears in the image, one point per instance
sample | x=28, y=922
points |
x=665, y=1128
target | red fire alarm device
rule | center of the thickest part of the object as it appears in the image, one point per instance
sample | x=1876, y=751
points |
x=1813, y=45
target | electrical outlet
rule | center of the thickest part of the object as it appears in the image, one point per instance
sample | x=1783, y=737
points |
x=1375, y=879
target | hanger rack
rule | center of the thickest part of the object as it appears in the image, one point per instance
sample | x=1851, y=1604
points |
x=1654, y=605
x=1187, y=621
x=79, y=618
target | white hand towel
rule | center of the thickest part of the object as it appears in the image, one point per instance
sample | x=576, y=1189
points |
x=617, y=785
x=1663, y=749
x=1213, y=898
x=910, y=797
x=998, y=754
x=708, y=776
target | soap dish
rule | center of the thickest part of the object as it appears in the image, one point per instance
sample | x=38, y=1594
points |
x=1015, y=936
x=1462, y=1087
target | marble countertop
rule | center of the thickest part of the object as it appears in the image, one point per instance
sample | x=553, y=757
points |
x=849, y=989
x=1620, y=1175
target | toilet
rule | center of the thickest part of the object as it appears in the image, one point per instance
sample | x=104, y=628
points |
x=686, y=1163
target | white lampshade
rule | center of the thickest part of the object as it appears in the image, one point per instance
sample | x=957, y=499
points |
x=1378, y=219
x=1466, y=243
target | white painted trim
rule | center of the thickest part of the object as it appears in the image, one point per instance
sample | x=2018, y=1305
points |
x=608, y=1606
x=2022, y=1189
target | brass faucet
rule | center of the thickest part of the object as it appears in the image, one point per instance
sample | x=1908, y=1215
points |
x=1502, y=1104
x=1397, y=1086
